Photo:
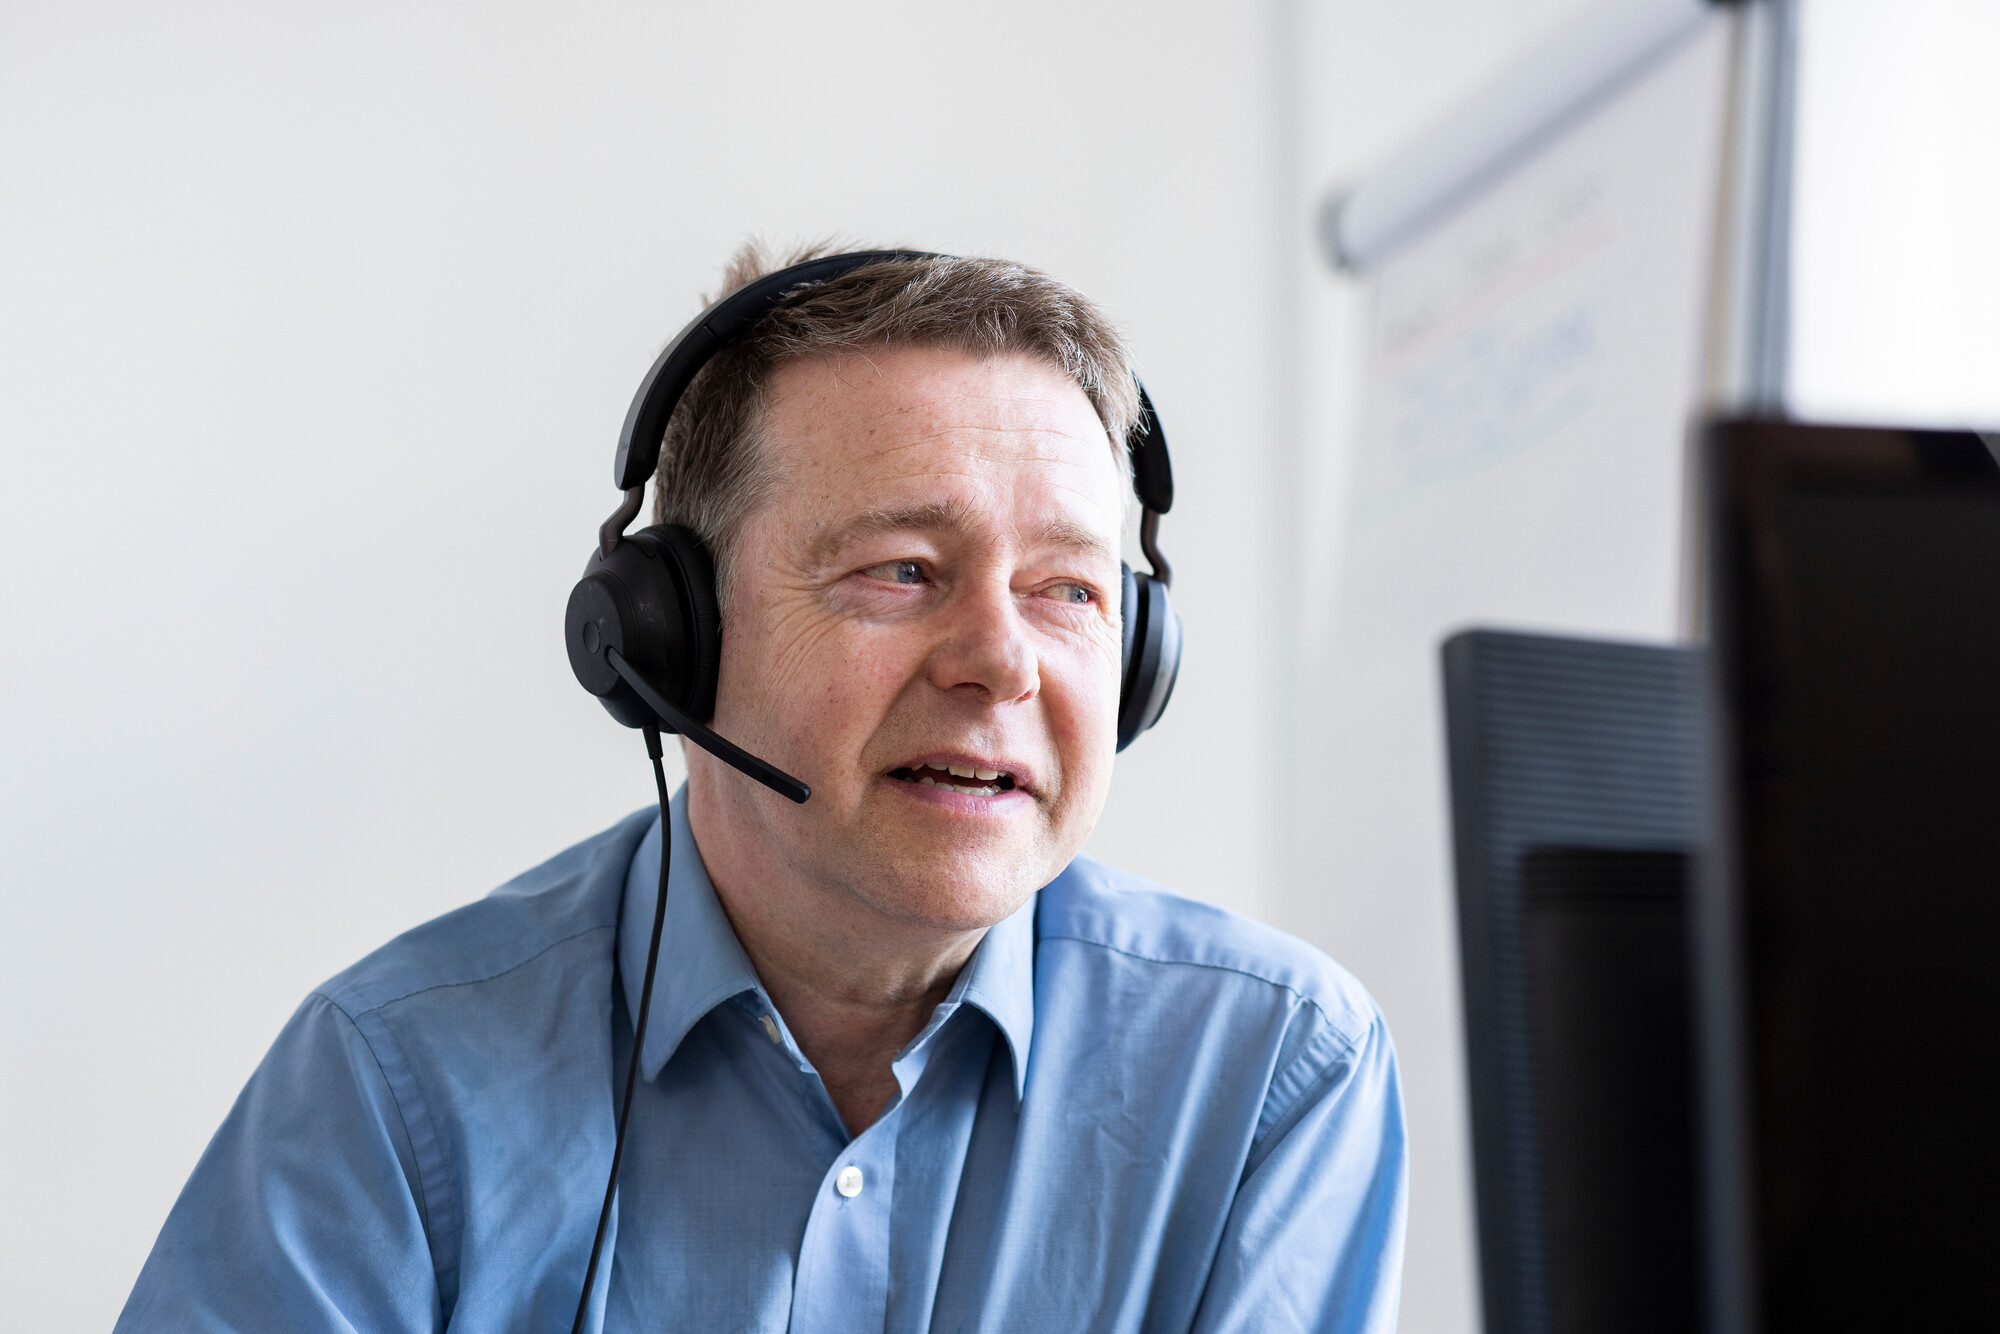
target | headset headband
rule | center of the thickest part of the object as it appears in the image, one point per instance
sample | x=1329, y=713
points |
x=646, y=421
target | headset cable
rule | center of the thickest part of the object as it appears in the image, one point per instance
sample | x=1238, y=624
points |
x=652, y=731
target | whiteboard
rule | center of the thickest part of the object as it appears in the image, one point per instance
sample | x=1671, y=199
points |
x=1533, y=363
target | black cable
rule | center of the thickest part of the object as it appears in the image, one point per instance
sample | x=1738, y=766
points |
x=638, y=1027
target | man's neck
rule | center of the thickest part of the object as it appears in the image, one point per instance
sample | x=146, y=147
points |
x=853, y=985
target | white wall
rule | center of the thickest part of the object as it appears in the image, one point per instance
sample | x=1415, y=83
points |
x=1896, y=276
x=317, y=324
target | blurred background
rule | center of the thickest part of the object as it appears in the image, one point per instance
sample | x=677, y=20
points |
x=317, y=325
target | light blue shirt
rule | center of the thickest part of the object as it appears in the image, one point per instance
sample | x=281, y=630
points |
x=1132, y=1112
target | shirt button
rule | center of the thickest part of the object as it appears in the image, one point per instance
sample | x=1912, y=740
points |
x=770, y=1027
x=848, y=1183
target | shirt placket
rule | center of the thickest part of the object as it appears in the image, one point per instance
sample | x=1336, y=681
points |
x=842, y=1285
x=843, y=1275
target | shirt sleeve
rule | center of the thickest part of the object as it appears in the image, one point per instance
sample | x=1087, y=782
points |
x=305, y=1213
x=1314, y=1240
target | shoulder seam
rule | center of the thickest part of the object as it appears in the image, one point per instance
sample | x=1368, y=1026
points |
x=1342, y=1050
x=444, y=1229
x=1350, y=1041
x=1275, y=1119
x=467, y=981
x=402, y=1114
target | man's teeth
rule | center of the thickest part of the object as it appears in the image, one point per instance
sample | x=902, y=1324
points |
x=983, y=776
x=962, y=771
x=988, y=791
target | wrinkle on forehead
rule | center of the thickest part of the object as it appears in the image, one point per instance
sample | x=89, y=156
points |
x=939, y=443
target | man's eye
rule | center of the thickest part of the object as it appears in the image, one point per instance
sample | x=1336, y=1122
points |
x=898, y=572
x=1074, y=593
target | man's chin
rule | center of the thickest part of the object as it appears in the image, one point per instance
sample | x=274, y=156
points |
x=953, y=884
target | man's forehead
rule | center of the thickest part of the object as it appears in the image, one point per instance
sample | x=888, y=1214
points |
x=940, y=441
x=933, y=381
x=944, y=406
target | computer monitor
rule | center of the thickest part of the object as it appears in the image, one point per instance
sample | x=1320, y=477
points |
x=1577, y=777
x=1850, y=925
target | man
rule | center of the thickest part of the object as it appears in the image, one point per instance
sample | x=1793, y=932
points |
x=913, y=1063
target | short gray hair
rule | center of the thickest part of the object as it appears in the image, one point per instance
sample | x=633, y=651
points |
x=713, y=472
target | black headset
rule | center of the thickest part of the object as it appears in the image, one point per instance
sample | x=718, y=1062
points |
x=644, y=631
x=643, y=628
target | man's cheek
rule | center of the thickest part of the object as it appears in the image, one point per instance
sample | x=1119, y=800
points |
x=797, y=652
x=1088, y=683
x=874, y=673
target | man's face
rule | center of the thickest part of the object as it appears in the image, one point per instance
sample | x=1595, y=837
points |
x=932, y=586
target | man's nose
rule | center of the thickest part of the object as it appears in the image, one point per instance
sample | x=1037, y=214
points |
x=987, y=647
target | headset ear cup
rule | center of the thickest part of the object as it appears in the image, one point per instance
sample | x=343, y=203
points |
x=653, y=600
x=701, y=615
x=1152, y=656
x=601, y=616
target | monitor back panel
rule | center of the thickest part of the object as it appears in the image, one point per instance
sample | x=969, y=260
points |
x=1856, y=601
x=1576, y=775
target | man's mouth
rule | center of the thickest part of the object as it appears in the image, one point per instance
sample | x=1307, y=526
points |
x=965, y=778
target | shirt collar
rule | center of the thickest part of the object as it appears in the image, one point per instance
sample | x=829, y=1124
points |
x=702, y=964
x=999, y=979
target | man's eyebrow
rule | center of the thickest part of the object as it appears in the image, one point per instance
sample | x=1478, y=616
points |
x=929, y=517
x=1065, y=533
x=940, y=516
